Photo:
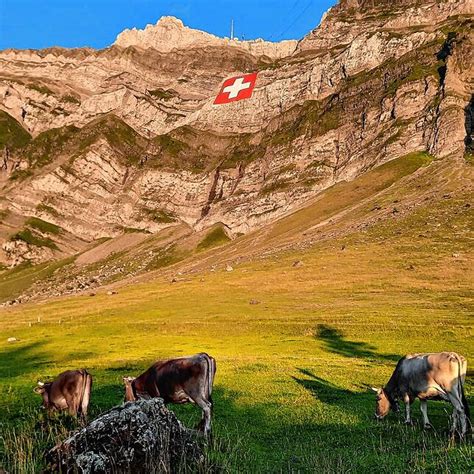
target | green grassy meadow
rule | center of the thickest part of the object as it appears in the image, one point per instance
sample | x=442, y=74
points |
x=296, y=347
x=290, y=389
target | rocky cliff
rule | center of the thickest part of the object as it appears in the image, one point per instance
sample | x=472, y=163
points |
x=98, y=143
x=170, y=34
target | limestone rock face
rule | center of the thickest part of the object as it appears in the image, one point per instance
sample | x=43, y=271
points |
x=170, y=34
x=128, y=138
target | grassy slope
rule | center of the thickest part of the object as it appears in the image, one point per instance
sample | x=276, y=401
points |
x=291, y=369
x=12, y=134
x=16, y=280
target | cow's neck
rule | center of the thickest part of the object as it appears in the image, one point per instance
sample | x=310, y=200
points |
x=392, y=388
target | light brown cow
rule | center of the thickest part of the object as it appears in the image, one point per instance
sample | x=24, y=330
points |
x=70, y=391
x=183, y=380
x=437, y=376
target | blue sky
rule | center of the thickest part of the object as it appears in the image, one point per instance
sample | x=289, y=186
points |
x=96, y=23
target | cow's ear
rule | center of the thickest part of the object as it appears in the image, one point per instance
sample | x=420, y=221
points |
x=39, y=390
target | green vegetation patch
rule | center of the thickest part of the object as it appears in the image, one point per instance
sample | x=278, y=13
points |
x=49, y=144
x=315, y=118
x=32, y=238
x=43, y=226
x=20, y=175
x=243, y=153
x=160, y=216
x=170, y=145
x=163, y=94
x=415, y=73
x=345, y=194
x=4, y=213
x=71, y=99
x=124, y=139
x=166, y=257
x=42, y=207
x=275, y=186
x=134, y=230
x=12, y=134
x=214, y=238
x=41, y=88
x=15, y=281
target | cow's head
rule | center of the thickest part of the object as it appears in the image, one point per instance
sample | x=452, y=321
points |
x=43, y=390
x=383, y=403
x=129, y=391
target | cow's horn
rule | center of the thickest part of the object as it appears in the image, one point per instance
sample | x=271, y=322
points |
x=41, y=384
x=374, y=389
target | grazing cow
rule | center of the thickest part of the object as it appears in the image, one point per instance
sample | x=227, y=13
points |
x=438, y=376
x=183, y=380
x=71, y=390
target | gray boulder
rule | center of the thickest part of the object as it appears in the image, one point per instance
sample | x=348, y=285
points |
x=138, y=437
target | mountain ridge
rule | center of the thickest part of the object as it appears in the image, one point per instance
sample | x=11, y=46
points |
x=170, y=33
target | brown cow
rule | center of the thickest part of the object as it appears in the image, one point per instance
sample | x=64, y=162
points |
x=71, y=390
x=183, y=380
x=437, y=376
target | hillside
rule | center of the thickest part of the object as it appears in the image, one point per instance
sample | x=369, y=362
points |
x=301, y=317
x=101, y=143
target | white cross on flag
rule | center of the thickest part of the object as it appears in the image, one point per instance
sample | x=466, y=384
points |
x=237, y=88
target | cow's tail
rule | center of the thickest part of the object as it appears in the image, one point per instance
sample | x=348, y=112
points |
x=467, y=411
x=86, y=392
x=211, y=371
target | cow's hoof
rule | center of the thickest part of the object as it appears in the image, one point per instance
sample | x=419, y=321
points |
x=428, y=426
x=409, y=423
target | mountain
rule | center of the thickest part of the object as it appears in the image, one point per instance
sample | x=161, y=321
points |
x=125, y=143
x=170, y=34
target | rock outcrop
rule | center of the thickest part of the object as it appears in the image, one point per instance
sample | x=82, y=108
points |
x=139, y=437
x=170, y=34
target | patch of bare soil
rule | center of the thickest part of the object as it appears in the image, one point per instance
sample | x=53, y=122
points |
x=106, y=249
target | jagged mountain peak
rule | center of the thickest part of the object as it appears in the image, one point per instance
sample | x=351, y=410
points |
x=170, y=33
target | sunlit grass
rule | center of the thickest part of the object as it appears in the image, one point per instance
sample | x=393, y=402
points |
x=292, y=369
x=295, y=347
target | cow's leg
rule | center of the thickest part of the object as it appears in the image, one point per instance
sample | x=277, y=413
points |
x=424, y=412
x=408, y=402
x=459, y=416
x=206, y=407
x=73, y=408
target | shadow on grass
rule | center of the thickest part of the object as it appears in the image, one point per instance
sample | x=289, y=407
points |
x=331, y=394
x=335, y=343
x=266, y=436
x=21, y=360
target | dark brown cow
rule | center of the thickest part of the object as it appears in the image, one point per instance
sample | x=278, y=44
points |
x=436, y=376
x=71, y=390
x=183, y=380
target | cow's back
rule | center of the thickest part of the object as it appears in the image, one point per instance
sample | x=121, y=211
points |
x=426, y=373
x=68, y=388
x=170, y=378
x=447, y=369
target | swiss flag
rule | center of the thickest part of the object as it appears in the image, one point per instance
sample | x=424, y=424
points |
x=237, y=88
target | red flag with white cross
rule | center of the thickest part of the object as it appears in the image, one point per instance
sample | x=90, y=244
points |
x=237, y=88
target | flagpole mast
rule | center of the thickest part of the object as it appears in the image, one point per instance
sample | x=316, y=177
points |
x=232, y=29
